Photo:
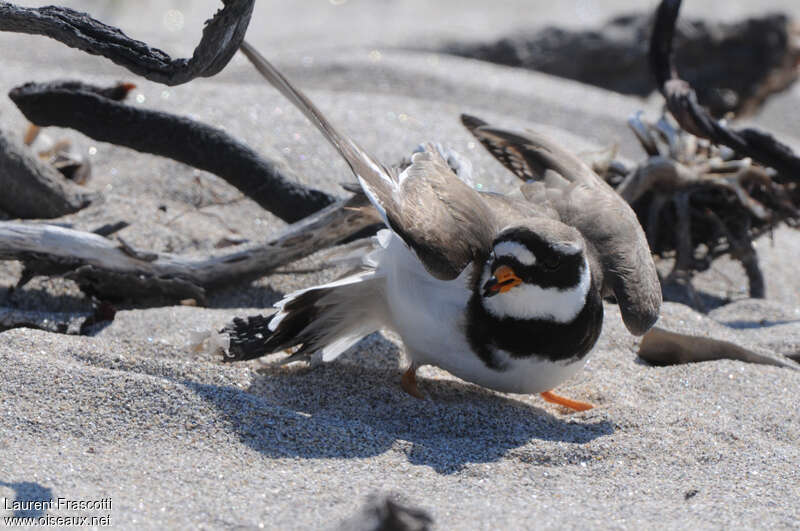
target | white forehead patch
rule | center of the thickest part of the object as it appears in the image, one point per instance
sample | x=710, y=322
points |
x=515, y=250
x=566, y=248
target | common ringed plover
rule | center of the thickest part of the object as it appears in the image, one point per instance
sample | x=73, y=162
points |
x=504, y=291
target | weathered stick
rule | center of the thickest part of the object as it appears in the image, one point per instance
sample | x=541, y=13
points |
x=734, y=66
x=683, y=105
x=657, y=173
x=221, y=38
x=741, y=248
x=74, y=323
x=61, y=323
x=87, y=109
x=30, y=188
x=662, y=347
x=112, y=270
x=697, y=201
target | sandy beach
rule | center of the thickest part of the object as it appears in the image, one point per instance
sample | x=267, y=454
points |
x=176, y=439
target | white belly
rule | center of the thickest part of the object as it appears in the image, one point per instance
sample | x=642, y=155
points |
x=523, y=375
x=428, y=314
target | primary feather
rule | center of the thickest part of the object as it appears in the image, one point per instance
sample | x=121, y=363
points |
x=426, y=205
x=581, y=199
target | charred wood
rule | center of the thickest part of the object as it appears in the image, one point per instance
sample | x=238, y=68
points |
x=112, y=270
x=221, y=38
x=683, y=104
x=734, y=66
x=88, y=109
x=32, y=188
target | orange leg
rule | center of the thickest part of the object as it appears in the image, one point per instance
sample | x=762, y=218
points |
x=553, y=398
x=409, y=382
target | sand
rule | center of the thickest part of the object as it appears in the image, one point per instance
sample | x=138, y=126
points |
x=176, y=439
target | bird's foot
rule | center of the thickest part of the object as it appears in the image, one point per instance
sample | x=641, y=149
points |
x=575, y=405
x=409, y=382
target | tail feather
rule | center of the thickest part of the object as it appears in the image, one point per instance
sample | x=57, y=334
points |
x=328, y=318
x=363, y=165
x=247, y=337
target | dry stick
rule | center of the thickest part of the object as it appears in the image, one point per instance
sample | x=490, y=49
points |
x=665, y=178
x=86, y=108
x=62, y=322
x=110, y=270
x=758, y=55
x=752, y=58
x=741, y=248
x=221, y=38
x=32, y=188
x=682, y=103
x=654, y=219
x=684, y=251
x=683, y=248
x=656, y=172
x=662, y=347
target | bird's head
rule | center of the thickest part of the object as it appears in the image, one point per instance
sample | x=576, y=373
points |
x=536, y=271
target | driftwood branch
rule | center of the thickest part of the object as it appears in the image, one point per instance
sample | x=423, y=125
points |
x=221, y=38
x=683, y=105
x=741, y=248
x=657, y=172
x=62, y=323
x=734, y=66
x=696, y=202
x=33, y=189
x=74, y=323
x=662, y=347
x=112, y=270
x=89, y=110
x=706, y=189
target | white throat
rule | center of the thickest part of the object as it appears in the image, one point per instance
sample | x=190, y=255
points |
x=527, y=301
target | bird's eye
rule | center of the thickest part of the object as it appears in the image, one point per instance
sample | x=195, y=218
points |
x=551, y=262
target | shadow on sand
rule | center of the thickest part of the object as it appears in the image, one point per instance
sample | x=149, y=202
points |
x=27, y=492
x=347, y=410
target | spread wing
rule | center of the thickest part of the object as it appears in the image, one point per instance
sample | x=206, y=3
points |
x=589, y=204
x=444, y=221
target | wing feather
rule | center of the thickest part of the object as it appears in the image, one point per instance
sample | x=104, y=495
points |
x=589, y=204
x=443, y=220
